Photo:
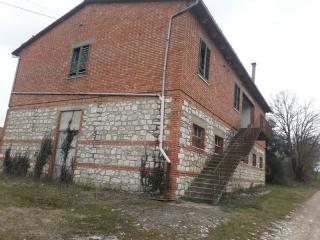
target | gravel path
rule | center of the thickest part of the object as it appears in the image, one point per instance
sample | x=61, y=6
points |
x=304, y=224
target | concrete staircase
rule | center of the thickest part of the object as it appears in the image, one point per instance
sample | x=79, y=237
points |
x=201, y=189
x=210, y=184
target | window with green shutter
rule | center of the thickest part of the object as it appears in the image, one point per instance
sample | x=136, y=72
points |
x=204, y=60
x=79, y=61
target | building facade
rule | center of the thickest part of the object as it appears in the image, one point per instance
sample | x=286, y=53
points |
x=100, y=72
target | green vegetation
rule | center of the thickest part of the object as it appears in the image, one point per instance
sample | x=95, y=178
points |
x=250, y=217
x=43, y=210
x=69, y=210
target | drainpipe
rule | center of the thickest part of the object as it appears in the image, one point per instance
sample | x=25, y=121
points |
x=164, y=78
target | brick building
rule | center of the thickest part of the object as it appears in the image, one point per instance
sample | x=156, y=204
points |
x=135, y=78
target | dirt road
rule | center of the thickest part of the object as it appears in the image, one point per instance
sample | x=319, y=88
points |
x=304, y=224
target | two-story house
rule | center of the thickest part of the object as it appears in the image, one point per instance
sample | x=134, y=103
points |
x=134, y=77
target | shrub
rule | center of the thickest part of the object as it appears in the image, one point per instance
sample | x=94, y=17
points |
x=7, y=163
x=66, y=175
x=20, y=165
x=43, y=156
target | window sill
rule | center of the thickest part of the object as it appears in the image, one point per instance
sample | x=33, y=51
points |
x=77, y=76
x=197, y=149
x=238, y=111
x=203, y=79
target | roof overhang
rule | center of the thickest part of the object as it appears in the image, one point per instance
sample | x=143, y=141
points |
x=208, y=23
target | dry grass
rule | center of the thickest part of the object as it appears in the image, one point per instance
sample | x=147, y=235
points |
x=250, y=217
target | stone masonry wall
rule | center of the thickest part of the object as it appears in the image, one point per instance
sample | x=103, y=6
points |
x=112, y=140
x=246, y=175
x=192, y=160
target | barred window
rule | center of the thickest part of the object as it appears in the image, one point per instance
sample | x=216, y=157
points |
x=79, y=61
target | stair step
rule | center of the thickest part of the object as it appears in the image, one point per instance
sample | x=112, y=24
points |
x=209, y=185
x=198, y=200
x=201, y=189
x=202, y=185
x=200, y=194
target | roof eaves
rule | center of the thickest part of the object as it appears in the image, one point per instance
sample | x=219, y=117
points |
x=48, y=28
x=70, y=13
x=231, y=55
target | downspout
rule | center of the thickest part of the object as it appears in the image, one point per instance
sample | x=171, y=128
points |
x=164, y=78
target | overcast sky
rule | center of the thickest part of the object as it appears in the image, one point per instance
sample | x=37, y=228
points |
x=282, y=36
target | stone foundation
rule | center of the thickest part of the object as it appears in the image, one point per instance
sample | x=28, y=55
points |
x=192, y=160
x=246, y=175
x=113, y=138
x=115, y=135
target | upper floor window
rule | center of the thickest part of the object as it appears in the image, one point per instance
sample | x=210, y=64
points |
x=79, y=61
x=236, y=100
x=204, y=62
x=198, y=136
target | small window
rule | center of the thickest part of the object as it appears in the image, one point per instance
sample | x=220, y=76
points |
x=254, y=160
x=261, y=162
x=79, y=61
x=236, y=101
x=204, y=62
x=218, y=144
x=198, y=136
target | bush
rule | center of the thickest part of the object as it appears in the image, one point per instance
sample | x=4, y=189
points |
x=17, y=165
x=7, y=163
x=43, y=156
x=20, y=165
x=278, y=161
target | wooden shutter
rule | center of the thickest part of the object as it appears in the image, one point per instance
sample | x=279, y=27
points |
x=202, y=58
x=83, y=59
x=208, y=56
x=74, y=62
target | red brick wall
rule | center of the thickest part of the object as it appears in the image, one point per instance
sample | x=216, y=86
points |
x=126, y=56
x=216, y=95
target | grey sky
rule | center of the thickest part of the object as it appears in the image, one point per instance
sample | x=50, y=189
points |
x=282, y=36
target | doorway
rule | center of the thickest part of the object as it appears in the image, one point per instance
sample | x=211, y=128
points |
x=67, y=142
x=247, y=112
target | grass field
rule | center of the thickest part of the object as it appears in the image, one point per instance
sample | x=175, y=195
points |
x=37, y=210
x=248, y=218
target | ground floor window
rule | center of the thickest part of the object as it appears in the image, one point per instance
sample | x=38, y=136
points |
x=218, y=144
x=261, y=162
x=254, y=160
x=198, y=136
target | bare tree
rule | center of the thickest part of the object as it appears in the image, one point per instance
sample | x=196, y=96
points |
x=299, y=125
